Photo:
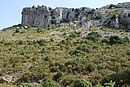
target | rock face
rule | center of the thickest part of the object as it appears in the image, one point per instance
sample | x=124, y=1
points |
x=125, y=4
x=43, y=16
x=39, y=16
x=125, y=18
x=119, y=5
x=80, y=17
x=85, y=23
x=114, y=22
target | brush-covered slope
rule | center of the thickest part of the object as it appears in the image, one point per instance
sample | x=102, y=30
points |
x=65, y=47
x=64, y=56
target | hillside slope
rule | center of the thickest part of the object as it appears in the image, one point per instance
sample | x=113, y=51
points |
x=65, y=55
x=66, y=47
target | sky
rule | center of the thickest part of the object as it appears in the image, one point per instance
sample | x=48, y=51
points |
x=10, y=10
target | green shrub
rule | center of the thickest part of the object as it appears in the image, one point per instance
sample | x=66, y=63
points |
x=58, y=75
x=32, y=76
x=65, y=20
x=115, y=40
x=20, y=42
x=83, y=48
x=112, y=6
x=82, y=83
x=78, y=52
x=41, y=42
x=110, y=84
x=1, y=73
x=73, y=35
x=39, y=30
x=98, y=85
x=43, y=50
x=54, y=69
x=126, y=39
x=17, y=31
x=68, y=80
x=76, y=10
x=90, y=68
x=47, y=58
x=95, y=47
x=113, y=17
x=98, y=17
x=112, y=77
x=50, y=83
x=128, y=53
x=94, y=36
x=53, y=21
x=27, y=85
x=87, y=18
x=51, y=39
x=105, y=40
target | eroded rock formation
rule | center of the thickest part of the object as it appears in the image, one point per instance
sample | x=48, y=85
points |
x=43, y=16
x=87, y=17
x=36, y=16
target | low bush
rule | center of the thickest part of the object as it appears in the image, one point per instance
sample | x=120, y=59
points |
x=128, y=52
x=82, y=83
x=94, y=36
x=117, y=40
x=90, y=68
x=58, y=75
x=50, y=83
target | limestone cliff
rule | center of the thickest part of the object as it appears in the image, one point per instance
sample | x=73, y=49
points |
x=86, y=17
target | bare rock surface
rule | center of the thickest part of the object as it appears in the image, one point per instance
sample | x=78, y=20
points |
x=87, y=17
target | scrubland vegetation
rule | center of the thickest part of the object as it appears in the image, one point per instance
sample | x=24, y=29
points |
x=54, y=57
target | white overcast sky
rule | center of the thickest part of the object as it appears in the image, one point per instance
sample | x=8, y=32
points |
x=10, y=10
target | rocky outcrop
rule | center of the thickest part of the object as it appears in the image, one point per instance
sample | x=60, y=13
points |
x=125, y=18
x=39, y=16
x=119, y=5
x=80, y=17
x=85, y=23
x=121, y=20
x=125, y=5
x=43, y=16
x=114, y=21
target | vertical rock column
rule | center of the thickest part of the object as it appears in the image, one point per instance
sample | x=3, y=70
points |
x=28, y=16
x=39, y=16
